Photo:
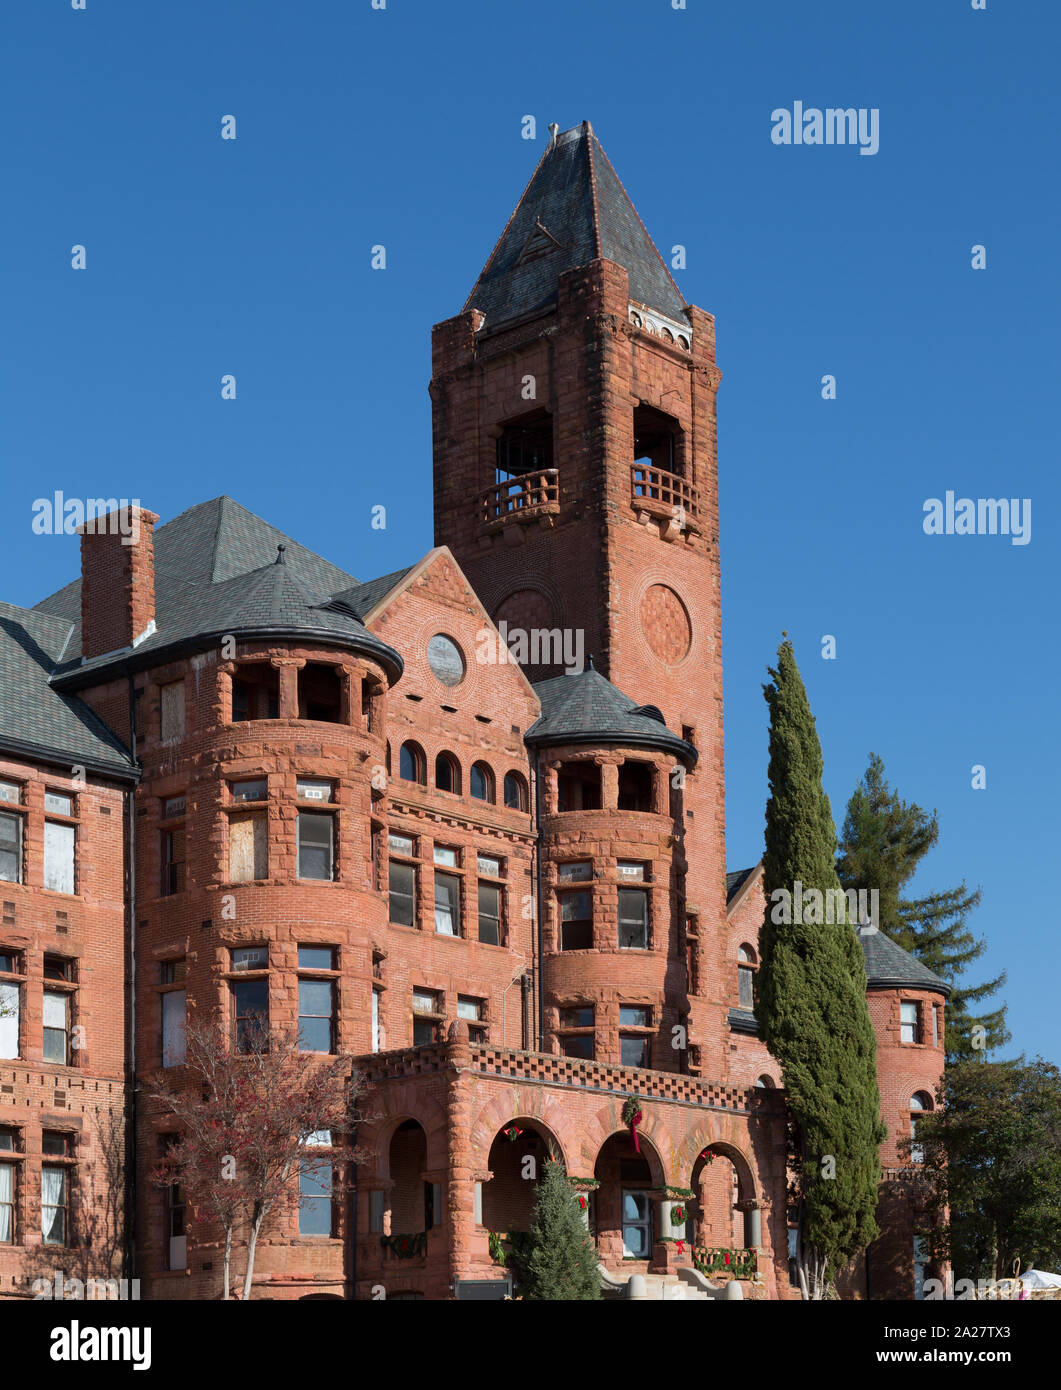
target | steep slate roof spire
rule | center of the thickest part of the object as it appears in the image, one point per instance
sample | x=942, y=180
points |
x=575, y=198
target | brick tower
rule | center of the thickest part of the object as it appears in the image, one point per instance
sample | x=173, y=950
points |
x=576, y=484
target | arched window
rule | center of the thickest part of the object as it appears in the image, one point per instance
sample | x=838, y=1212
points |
x=766, y=1083
x=447, y=773
x=515, y=792
x=482, y=782
x=412, y=766
x=746, y=977
x=920, y=1103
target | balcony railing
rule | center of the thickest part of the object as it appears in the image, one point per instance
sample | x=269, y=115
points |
x=663, y=494
x=522, y=498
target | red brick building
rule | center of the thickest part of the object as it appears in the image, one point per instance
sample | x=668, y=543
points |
x=235, y=781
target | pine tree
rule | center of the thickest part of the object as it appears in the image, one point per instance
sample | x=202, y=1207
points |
x=811, y=998
x=560, y=1261
x=884, y=840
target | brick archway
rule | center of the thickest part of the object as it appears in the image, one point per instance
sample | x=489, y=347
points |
x=723, y=1182
x=624, y=1217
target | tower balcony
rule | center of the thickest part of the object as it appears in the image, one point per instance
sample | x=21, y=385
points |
x=524, y=498
x=664, y=495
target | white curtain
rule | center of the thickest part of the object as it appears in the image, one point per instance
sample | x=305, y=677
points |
x=7, y=1191
x=8, y=1021
x=53, y=1183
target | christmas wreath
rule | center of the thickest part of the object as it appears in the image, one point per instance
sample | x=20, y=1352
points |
x=708, y=1155
x=512, y=1133
x=632, y=1117
x=677, y=1215
x=583, y=1201
x=406, y=1247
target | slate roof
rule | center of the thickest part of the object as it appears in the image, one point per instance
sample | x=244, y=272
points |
x=736, y=881
x=34, y=718
x=587, y=708
x=362, y=598
x=576, y=196
x=216, y=572
x=889, y=966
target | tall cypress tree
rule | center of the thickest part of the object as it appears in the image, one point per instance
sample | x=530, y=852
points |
x=560, y=1261
x=882, y=843
x=811, y=997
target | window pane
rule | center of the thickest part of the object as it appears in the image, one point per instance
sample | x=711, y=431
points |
x=250, y=957
x=10, y=791
x=314, y=845
x=580, y=1046
x=402, y=894
x=314, y=789
x=423, y=1032
x=315, y=1211
x=447, y=857
x=315, y=1009
x=173, y=1022
x=174, y=806
x=489, y=914
x=447, y=905
x=316, y=957
x=257, y=790
x=424, y=1001
x=481, y=783
x=58, y=857
x=633, y=1052
x=633, y=1016
x=573, y=873
x=581, y=1017
x=633, y=919
x=469, y=1008
x=60, y=804
x=9, y=1008
x=10, y=848
x=631, y=871
x=53, y=1210
x=488, y=866
x=576, y=907
x=745, y=987
x=400, y=844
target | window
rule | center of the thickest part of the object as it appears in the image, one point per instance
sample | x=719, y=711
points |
x=576, y=921
x=515, y=792
x=482, y=783
x=53, y=1205
x=411, y=764
x=58, y=968
x=171, y=711
x=446, y=857
x=7, y=1198
x=250, y=958
x=526, y=446
x=401, y=844
x=746, y=978
x=11, y=792
x=490, y=914
x=248, y=847
x=376, y=1033
x=637, y=1224
x=58, y=853
x=254, y=790
x=173, y=862
x=577, y=1045
x=634, y=1016
x=59, y=803
x=10, y=1011
x=447, y=905
x=630, y=872
x=633, y=1051
x=447, y=773
x=581, y=1016
x=920, y=1267
x=316, y=1015
x=935, y=1025
x=174, y=1019
x=250, y=1011
x=656, y=438
x=472, y=1010
x=256, y=692
x=909, y=1022
x=579, y=786
x=635, y=786
x=492, y=868
x=575, y=873
x=315, y=1201
x=427, y=1013
x=176, y=1239
x=633, y=919
x=445, y=659
x=10, y=848
x=920, y=1103
x=320, y=693
x=402, y=893
x=316, y=833
x=314, y=789
x=171, y=972
x=56, y=1027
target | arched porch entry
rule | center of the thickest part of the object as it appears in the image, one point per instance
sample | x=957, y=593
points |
x=412, y=1198
x=725, y=1205
x=624, y=1213
x=518, y=1153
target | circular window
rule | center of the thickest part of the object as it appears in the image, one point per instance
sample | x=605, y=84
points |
x=445, y=659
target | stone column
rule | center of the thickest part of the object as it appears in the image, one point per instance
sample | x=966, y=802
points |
x=459, y=1193
x=288, y=686
x=609, y=785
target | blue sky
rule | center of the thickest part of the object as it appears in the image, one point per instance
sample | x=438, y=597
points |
x=403, y=127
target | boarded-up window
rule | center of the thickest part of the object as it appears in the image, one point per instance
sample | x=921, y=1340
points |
x=173, y=1022
x=247, y=848
x=58, y=857
x=171, y=699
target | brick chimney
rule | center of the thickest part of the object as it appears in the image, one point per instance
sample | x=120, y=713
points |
x=117, y=579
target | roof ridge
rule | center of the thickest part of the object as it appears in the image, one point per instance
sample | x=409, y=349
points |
x=594, y=192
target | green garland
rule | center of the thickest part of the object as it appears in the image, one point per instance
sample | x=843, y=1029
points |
x=405, y=1247
x=587, y=1182
x=738, y=1264
x=674, y=1193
